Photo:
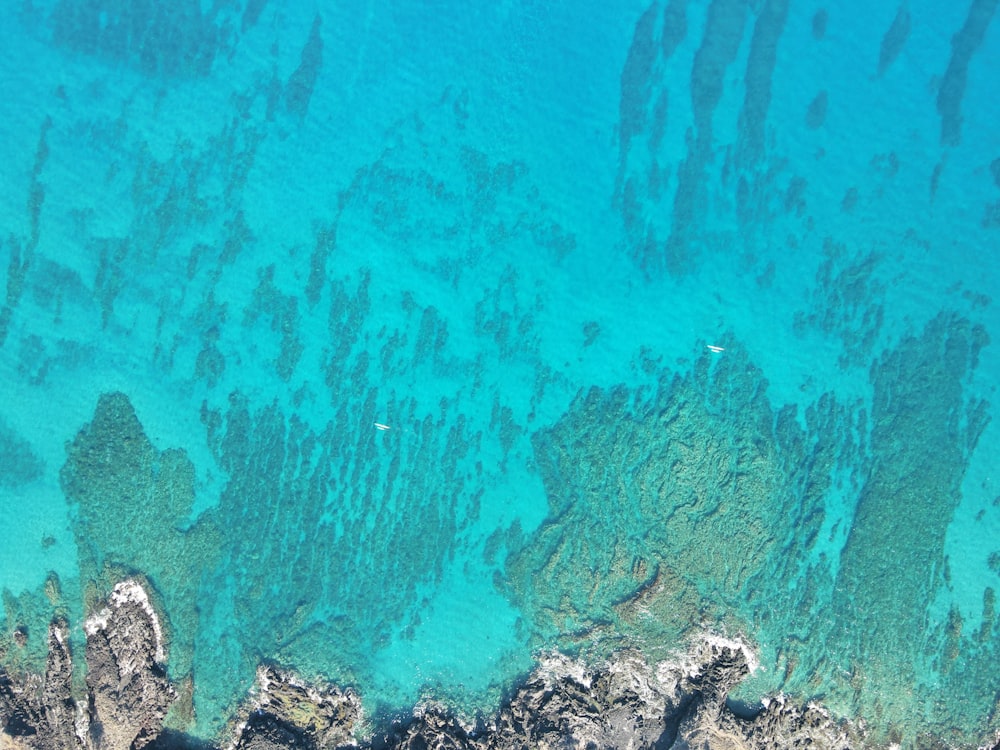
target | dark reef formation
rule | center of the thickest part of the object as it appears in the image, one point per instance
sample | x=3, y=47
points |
x=563, y=703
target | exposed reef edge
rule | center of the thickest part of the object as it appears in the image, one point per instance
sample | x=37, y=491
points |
x=624, y=703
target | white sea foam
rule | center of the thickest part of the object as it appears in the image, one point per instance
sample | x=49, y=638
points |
x=60, y=634
x=554, y=666
x=632, y=669
x=671, y=673
x=97, y=622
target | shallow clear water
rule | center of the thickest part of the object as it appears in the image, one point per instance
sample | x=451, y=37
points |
x=395, y=343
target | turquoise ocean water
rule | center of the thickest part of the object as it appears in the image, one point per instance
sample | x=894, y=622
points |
x=240, y=239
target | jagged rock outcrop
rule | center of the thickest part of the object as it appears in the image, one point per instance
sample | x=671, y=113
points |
x=264, y=731
x=781, y=725
x=40, y=713
x=626, y=704
x=128, y=693
x=286, y=712
x=128, y=690
x=623, y=704
x=432, y=728
x=57, y=691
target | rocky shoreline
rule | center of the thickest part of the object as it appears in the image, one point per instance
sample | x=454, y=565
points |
x=624, y=703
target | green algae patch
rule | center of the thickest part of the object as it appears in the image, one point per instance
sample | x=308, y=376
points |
x=24, y=629
x=338, y=539
x=693, y=502
x=888, y=637
x=665, y=504
x=130, y=503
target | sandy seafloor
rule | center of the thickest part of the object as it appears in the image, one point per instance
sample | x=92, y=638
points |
x=236, y=237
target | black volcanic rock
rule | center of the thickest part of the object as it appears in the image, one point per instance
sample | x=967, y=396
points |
x=263, y=731
x=39, y=713
x=128, y=690
x=286, y=712
x=566, y=704
x=57, y=692
x=432, y=729
x=623, y=704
